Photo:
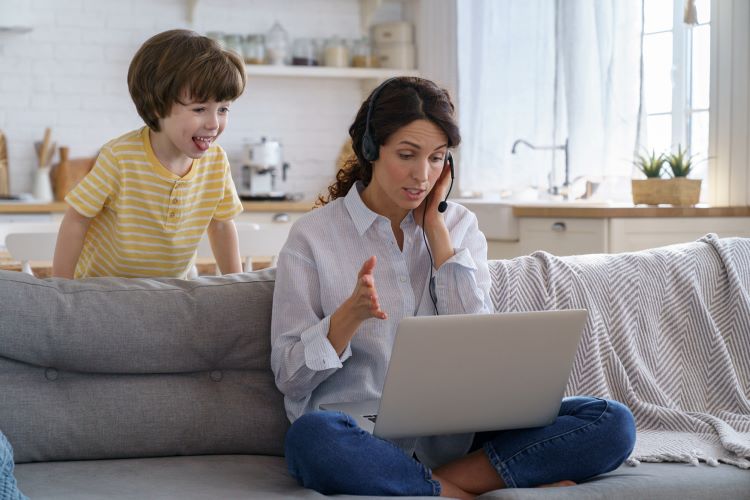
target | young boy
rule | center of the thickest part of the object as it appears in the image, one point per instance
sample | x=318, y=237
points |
x=144, y=206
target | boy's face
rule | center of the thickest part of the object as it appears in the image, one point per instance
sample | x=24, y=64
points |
x=192, y=126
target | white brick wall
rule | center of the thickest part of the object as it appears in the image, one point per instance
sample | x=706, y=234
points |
x=69, y=73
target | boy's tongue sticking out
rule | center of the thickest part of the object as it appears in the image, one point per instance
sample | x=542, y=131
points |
x=202, y=143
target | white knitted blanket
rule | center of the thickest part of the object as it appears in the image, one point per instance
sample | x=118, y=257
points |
x=668, y=334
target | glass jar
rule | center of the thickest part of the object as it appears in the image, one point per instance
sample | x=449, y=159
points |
x=336, y=53
x=233, y=43
x=254, y=49
x=320, y=50
x=277, y=45
x=304, y=53
x=362, y=56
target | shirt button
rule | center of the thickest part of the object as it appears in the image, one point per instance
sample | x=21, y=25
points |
x=403, y=279
x=174, y=200
x=172, y=214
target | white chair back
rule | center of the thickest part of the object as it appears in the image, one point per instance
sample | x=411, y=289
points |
x=266, y=243
x=31, y=246
x=255, y=240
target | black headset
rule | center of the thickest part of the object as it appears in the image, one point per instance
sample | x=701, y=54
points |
x=371, y=149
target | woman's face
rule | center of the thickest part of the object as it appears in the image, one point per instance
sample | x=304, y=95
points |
x=409, y=164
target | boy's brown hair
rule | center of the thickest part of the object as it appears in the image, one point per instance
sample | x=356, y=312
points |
x=175, y=61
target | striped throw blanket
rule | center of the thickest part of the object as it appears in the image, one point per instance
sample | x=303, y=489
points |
x=668, y=334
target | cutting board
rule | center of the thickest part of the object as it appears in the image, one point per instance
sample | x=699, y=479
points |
x=69, y=172
x=4, y=174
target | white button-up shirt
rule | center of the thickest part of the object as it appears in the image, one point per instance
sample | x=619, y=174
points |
x=317, y=271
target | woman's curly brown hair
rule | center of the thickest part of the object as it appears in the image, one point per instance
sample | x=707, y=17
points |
x=401, y=101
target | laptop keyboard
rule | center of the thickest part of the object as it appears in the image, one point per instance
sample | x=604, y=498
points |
x=371, y=418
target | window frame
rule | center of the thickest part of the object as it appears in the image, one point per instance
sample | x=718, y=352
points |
x=682, y=109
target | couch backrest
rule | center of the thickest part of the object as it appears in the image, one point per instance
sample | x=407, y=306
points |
x=115, y=368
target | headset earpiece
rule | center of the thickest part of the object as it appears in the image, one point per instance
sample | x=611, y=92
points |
x=443, y=205
x=370, y=148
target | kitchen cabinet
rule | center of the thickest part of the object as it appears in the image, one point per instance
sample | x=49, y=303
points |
x=632, y=234
x=271, y=217
x=28, y=223
x=577, y=235
x=562, y=236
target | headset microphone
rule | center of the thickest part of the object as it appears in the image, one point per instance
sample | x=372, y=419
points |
x=443, y=205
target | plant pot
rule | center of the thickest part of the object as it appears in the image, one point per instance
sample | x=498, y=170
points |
x=676, y=191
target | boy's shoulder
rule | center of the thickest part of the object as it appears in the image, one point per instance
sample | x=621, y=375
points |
x=215, y=153
x=128, y=141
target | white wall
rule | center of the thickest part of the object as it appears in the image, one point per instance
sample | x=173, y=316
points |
x=729, y=136
x=69, y=73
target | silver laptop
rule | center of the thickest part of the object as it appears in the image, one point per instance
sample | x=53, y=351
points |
x=473, y=372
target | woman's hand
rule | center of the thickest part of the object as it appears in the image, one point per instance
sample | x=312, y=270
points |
x=432, y=218
x=361, y=305
x=364, y=303
x=434, y=222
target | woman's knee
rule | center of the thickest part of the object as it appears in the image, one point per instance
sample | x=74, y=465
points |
x=620, y=428
x=6, y=453
x=312, y=430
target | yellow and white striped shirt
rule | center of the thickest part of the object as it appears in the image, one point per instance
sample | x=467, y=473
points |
x=148, y=221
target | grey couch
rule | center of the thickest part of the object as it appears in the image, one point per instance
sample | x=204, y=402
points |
x=114, y=388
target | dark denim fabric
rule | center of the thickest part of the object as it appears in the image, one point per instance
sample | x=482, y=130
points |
x=8, y=487
x=328, y=452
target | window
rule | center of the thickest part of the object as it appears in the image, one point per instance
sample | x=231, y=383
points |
x=676, y=59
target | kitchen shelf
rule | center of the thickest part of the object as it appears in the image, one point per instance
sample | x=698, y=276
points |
x=327, y=72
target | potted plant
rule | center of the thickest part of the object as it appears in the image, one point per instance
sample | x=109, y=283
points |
x=647, y=191
x=677, y=190
x=684, y=191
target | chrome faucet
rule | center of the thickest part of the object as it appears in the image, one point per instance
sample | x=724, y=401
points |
x=552, y=188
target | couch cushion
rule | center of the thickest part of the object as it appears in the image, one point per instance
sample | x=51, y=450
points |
x=116, y=325
x=119, y=368
x=239, y=477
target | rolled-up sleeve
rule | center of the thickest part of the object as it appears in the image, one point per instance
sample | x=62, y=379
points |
x=301, y=355
x=462, y=284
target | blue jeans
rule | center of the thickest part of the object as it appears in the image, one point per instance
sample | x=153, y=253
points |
x=328, y=452
x=8, y=488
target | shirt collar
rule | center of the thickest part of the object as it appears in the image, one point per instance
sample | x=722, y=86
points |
x=361, y=215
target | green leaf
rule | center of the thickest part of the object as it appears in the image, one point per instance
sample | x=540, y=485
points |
x=650, y=164
x=680, y=165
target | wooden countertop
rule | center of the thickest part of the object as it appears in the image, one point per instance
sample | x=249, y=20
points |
x=21, y=207
x=205, y=266
x=617, y=211
x=525, y=210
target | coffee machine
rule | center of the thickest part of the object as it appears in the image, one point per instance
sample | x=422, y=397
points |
x=262, y=164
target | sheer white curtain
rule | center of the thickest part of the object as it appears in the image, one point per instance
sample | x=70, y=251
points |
x=547, y=71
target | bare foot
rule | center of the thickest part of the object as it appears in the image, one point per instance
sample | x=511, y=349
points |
x=557, y=484
x=448, y=489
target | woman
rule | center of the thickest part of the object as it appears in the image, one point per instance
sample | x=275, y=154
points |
x=379, y=250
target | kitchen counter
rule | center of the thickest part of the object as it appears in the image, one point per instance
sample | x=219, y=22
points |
x=21, y=207
x=562, y=209
x=205, y=266
x=599, y=211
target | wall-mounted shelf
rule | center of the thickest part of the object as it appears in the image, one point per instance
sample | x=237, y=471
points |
x=327, y=72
